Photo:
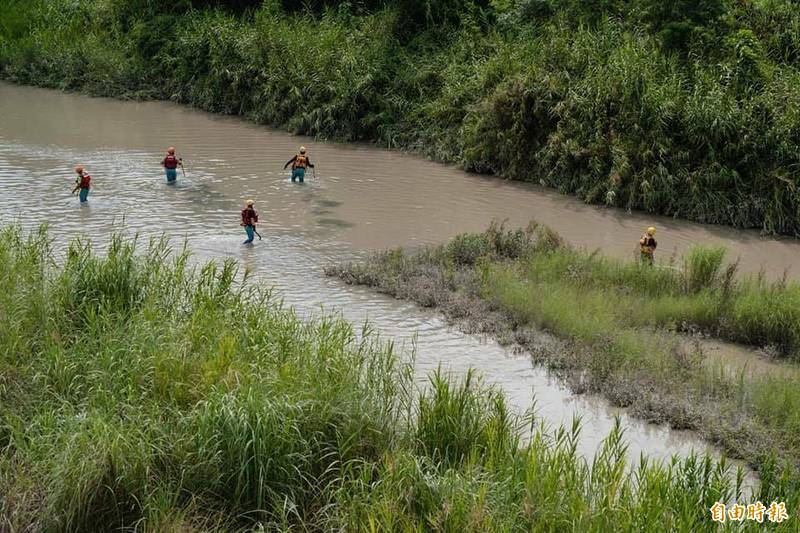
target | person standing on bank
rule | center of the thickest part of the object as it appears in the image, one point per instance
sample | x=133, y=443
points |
x=82, y=183
x=299, y=164
x=170, y=164
x=249, y=220
x=648, y=245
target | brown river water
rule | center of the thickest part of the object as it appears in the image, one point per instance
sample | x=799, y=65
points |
x=362, y=198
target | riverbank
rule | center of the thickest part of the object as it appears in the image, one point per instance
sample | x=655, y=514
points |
x=600, y=104
x=611, y=327
x=136, y=391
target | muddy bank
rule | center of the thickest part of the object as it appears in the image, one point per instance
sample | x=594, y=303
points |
x=432, y=280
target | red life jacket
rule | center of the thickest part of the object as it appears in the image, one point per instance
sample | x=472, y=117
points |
x=84, y=181
x=170, y=161
x=300, y=161
x=249, y=216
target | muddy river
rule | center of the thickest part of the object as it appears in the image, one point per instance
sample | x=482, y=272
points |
x=361, y=198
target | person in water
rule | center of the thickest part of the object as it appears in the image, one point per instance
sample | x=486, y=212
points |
x=170, y=164
x=249, y=219
x=299, y=164
x=82, y=183
x=648, y=244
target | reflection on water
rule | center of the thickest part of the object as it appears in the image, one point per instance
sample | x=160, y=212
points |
x=362, y=198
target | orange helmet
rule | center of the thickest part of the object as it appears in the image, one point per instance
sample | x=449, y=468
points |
x=78, y=168
x=170, y=150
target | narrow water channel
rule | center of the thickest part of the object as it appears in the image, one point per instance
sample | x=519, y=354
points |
x=362, y=198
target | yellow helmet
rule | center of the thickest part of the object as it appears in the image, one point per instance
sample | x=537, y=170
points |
x=250, y=203
x=651, y=231
x=302, y=149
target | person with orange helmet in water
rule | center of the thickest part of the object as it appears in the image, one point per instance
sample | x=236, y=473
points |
x=170, y=164
x=299, y=164
x=82, y=183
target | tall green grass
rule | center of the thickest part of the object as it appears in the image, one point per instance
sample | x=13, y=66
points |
x=139, y=393
x=626, y=311
x=705, y=293
x=134, y=386
x=590, y=101
x=618, y=323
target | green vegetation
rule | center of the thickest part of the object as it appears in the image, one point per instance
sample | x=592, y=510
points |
x=138, y=392
x=698, y=296
x=618, y=323
x=686, y=108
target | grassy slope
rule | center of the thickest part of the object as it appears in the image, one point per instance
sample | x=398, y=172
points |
x=589, y=100
x=137, y=392
x=619, y=322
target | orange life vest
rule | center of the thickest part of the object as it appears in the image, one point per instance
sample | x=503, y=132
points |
x=300, y=161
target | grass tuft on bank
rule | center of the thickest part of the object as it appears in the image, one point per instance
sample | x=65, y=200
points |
x=620, y=328
x=139, y=392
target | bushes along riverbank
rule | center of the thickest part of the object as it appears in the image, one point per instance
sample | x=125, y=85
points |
x=692, y=111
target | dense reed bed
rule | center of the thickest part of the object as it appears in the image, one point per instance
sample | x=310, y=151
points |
x=692, y=111
x=137, y=392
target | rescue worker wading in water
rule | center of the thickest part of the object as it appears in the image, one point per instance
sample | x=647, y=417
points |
x=82, y=183
x=170, y=164
x=299, y=164
x=249, y=219
x=648, y=245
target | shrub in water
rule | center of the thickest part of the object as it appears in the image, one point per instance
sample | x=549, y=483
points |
x=466, y=249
